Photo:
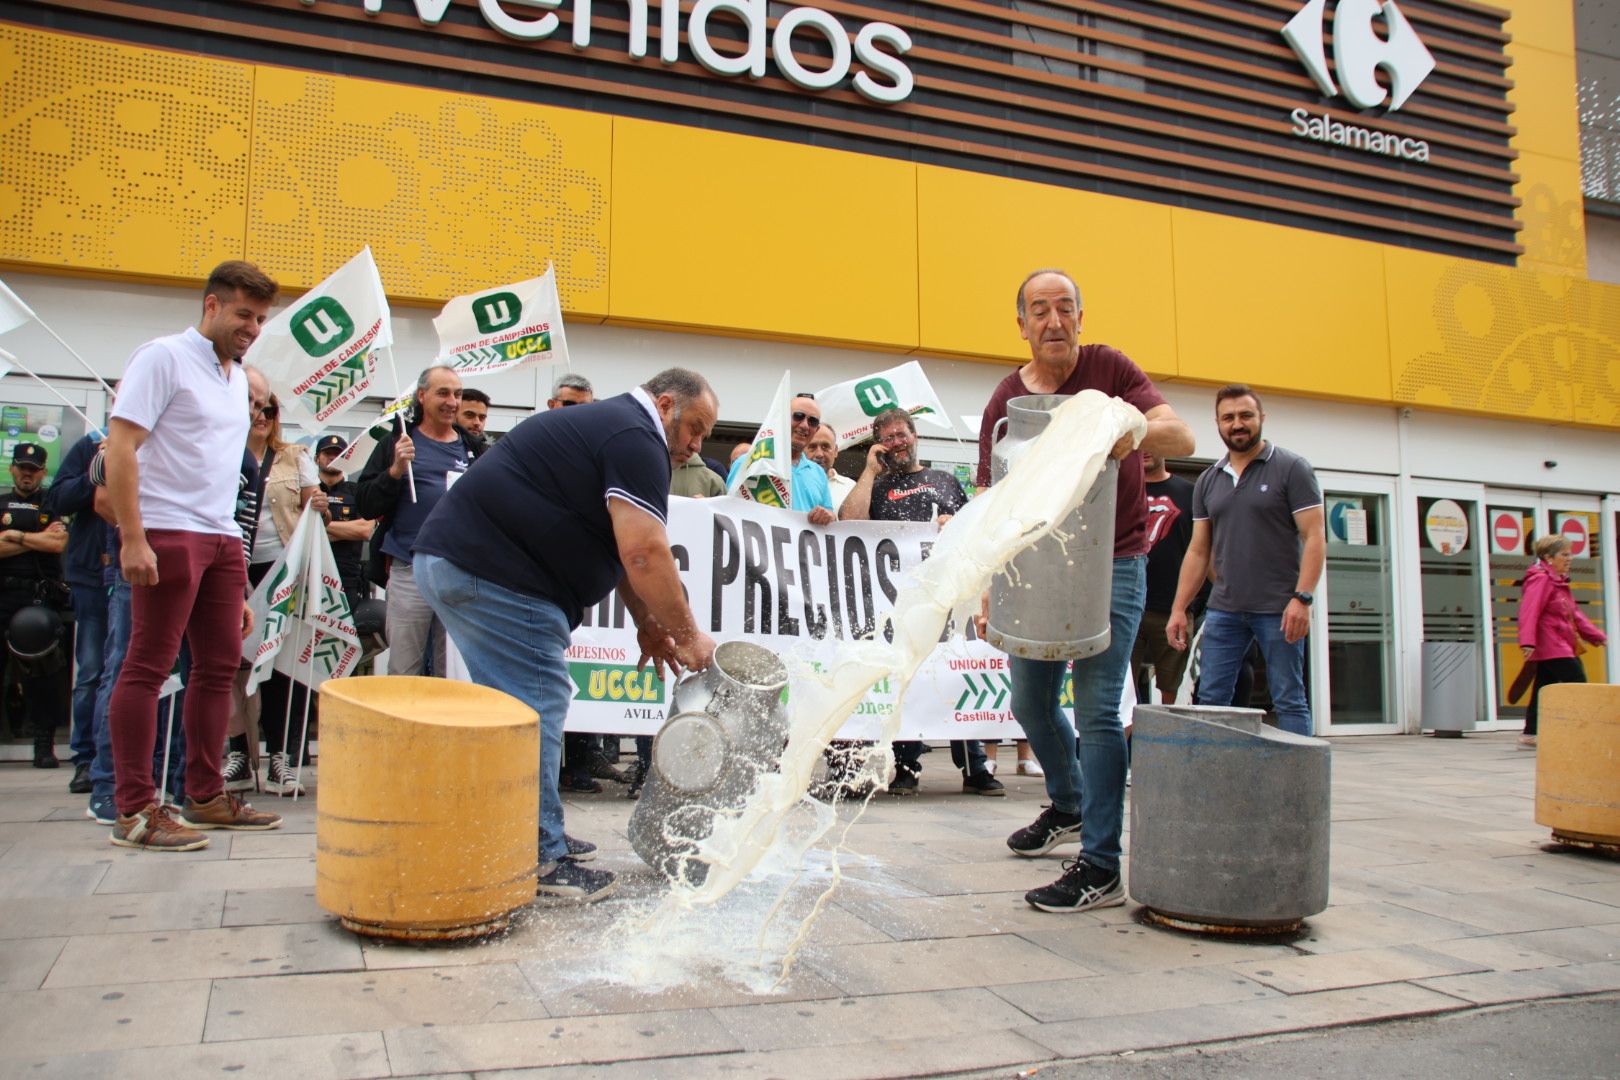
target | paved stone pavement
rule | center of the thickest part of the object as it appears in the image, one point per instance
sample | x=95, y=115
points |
x=926, y=960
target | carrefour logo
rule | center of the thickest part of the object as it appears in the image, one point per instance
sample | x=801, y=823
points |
x=321, y=326
x=1359, y=51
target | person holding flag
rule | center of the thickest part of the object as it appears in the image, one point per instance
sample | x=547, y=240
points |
x=758, y=475
x=436, y=452
x=174, y=450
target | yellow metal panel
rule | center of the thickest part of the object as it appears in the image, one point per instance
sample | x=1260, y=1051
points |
x=120, y=159
x=979, y=236
x=1594, y=345
x=1478, y=338
x=723, y=232
x=1280, y=308
x=1554, y=215
x=1542, y=24
x=453, y=192
x=1544, y=99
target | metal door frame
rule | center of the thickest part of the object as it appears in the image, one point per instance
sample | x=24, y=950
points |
x=1387, y=488
x=1413, y=582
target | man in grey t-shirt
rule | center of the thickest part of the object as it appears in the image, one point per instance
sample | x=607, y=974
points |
x=1258, y=513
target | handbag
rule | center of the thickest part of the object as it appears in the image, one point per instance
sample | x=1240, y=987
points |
x=1575, y=631
x=1522, y=682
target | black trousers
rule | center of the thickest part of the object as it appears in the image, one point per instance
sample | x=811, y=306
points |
x=1549, y=672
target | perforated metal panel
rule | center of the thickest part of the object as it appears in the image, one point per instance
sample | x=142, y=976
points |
x=452, y=192
x=1594, y=315
x=115, y=158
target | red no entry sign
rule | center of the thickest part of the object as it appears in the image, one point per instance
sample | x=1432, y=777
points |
x=1507, y=533
x=1573, y=529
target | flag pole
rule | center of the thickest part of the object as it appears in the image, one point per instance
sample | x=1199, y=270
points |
x=410, y=474
x=85, y=363
x=168, y=741
x=10, y=299
x=314, y=569
x=10, y=358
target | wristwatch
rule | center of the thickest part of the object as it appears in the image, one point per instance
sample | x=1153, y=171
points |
x=1304, y=598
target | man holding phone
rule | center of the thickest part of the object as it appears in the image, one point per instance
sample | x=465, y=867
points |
x=894, y=486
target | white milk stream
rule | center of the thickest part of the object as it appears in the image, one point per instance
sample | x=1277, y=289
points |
x=761, y=860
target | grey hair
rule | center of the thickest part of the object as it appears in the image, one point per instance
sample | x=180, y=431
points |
x=681, y=384
x=423, y=379
x=1033, y=274
x=570, y=381
x=890, y=417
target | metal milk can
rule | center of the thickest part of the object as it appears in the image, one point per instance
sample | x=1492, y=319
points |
x=1052, y=601
x=726, y=726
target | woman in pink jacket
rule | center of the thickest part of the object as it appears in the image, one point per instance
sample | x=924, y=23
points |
x=1550, y=625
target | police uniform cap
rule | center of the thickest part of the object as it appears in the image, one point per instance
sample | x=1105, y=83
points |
x=29, y=454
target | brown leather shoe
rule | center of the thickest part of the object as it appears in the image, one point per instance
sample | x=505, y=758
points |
x=155, y=829
x=226, y=811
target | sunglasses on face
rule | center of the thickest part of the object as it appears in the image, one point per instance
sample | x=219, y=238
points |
x=269, y=410
x=811, y=422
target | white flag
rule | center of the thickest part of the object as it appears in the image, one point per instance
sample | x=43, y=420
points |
x=849, y=407
x=13, y=312
x=358, y=452
x=502, y=329
x=765, y=473
x=300, y=604
x=321, y=351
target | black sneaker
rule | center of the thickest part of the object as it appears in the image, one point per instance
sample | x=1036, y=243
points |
x=638, y=777
x=579, y=850
x=600, y=768
x=1048, y=831
x=80, y=784
x=236, y=773
x=571, y=881
x=1081, y=888
x=982, y=783
x=904, y=783
x=581, y=785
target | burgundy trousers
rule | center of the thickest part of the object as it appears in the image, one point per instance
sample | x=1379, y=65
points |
x=202, y=581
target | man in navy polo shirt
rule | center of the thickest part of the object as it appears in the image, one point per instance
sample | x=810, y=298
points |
x=568, y=506
x=1258, y=513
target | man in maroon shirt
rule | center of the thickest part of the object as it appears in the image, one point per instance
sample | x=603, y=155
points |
x=1092, y=813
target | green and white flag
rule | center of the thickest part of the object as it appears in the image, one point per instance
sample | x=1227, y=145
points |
x=321, y=352
x=849, y=407
x=302, y=624
x=765, y=473
x=358, y=452
x=502, y=329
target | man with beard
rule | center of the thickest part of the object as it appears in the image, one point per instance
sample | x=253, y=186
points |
x=894, y=486
x=567, y=507
x=1258, y=513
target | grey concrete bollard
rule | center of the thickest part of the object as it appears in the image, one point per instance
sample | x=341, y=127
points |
x=1229, y=820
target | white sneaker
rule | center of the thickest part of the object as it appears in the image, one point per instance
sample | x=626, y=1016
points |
x=279, y=779
x=1030, y=768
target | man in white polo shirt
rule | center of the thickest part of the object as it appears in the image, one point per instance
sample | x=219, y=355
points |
x=174, y=451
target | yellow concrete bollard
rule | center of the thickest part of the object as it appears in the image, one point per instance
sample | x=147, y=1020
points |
x=427, y=811
x=1578, y=764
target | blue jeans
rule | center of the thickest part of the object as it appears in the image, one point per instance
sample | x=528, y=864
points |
x=513, y=643
x=1226, y=638
x=1037, y=686
x=101, y=766
x=89, y=639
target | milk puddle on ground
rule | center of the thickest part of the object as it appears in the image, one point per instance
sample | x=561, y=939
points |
x=775, y=862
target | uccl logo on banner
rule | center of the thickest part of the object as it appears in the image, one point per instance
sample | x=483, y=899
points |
x=322, y=326
x=614, y=682
x=1359, y=51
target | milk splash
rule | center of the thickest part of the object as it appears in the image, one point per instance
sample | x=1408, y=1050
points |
x=763, y=849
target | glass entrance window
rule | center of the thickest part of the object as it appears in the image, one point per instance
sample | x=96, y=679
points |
x=1360, y=612
x=1584, y=531
x=1511, y=533
x=1448, y=539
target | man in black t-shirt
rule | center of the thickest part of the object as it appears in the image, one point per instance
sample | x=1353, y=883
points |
x=1169, y=531
x=345, y=528
x=894, y=486
x=31, y=543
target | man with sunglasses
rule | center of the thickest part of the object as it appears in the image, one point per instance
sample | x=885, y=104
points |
x=809, y=478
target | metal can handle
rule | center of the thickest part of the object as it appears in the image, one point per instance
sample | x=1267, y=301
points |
x=997, y=430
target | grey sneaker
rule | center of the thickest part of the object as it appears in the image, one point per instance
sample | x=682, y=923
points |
x=1046, y=832
x=571, y=881
x=1081, y=888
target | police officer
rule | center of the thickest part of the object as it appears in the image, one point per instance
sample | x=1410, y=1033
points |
x=345, y=528
x=31, y=543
